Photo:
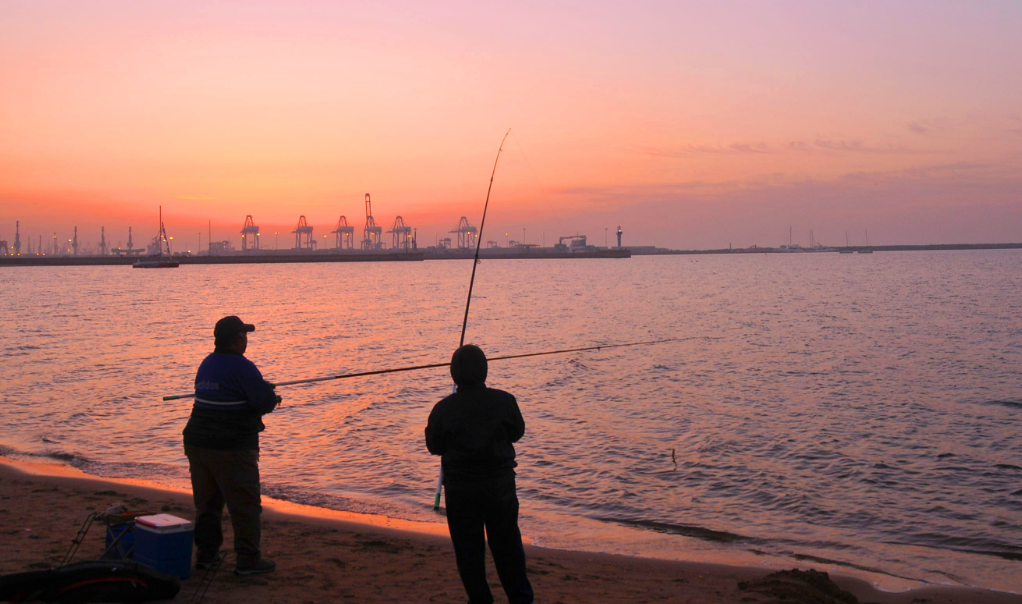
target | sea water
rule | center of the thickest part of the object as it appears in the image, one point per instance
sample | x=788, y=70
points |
x=858, y=414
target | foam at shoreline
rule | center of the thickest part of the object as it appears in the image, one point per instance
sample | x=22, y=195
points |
x=280, y=506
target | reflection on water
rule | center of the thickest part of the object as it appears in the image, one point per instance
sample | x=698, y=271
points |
x=848, y=411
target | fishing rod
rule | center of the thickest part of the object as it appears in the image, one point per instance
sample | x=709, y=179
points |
x=479, y=241
x=471, y=283
x=345, y=376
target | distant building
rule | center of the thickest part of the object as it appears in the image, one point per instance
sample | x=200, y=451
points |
x=221, y=248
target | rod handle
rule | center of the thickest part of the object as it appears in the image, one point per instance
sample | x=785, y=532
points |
x=439, y=486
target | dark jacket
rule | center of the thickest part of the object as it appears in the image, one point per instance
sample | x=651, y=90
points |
x=474, y=428
x=231, y=397
x=473, y=431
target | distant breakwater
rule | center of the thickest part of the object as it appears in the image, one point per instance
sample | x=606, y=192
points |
x=833, y=250
x=293, y=257
x=264, y=258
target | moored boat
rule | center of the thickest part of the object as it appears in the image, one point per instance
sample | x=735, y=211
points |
x=156, y=247
x=155, y=264
x=848, y=248
x=867, y=249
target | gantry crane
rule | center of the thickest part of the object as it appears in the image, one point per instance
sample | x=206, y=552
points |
x=402, y=235
x=372, y=233
x=303, y=235
x=345, y=234
x=249, y=229
x=466, y=234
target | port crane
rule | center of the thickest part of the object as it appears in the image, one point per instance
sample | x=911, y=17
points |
x=303, y=235
x=466, y=234
x=372, y=232
x=344, y=234
x=249, y=229
x=402, y=235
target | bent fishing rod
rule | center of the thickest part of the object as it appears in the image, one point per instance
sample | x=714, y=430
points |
x=345, y=376
x=468, y=301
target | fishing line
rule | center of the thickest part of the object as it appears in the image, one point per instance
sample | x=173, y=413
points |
x=540, y=188
x=345, y=376
x=521, y=150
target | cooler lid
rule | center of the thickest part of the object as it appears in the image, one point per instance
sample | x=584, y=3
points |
x=163, y=521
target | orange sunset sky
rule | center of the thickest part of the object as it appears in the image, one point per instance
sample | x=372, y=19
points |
x=690, y=124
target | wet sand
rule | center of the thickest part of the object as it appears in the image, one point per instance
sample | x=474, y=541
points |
x=324, y=557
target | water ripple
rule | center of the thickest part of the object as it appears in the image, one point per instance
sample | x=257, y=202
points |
x=861, y=414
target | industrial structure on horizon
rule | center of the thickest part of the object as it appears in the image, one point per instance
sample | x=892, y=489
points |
x=404, y=238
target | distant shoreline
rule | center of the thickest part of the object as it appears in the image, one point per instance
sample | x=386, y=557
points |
x=232, y=259
x=939, y=247
x=291, y=256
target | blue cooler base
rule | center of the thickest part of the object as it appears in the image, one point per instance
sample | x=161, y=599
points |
x=178, y=567
x=169, y=553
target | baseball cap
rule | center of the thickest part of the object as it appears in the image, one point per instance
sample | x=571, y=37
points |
x=230, y=326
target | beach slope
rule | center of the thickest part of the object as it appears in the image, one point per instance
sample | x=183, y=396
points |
x=325, y=559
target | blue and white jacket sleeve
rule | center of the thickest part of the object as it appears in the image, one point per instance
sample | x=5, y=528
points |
x=258, y=392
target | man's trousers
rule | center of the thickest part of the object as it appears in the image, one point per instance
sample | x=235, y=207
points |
x=230, y=477
x=492, y=504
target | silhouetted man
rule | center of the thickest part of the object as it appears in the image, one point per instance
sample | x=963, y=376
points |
x=222, y=444
x=473, y=431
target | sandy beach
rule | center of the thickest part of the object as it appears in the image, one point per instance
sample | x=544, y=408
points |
x=329, y=559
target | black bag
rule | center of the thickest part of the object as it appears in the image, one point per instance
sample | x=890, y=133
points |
x=94, y=581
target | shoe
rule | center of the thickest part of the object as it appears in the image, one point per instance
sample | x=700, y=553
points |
x=205, y=562
x=259, y=568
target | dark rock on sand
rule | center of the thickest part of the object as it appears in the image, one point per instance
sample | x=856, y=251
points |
x=796, y=587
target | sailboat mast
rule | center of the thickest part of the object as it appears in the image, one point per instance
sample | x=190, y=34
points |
x=162, y=235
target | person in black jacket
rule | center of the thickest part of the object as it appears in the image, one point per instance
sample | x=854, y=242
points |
x=473, y=431
x=221, y=441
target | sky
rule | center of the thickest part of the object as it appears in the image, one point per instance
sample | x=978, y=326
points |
x=690, y=125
